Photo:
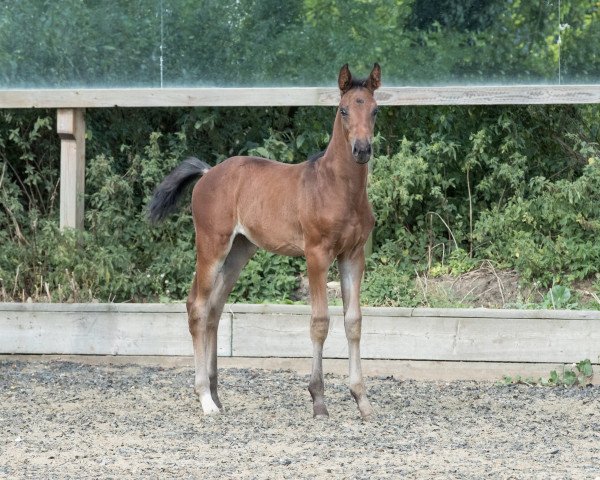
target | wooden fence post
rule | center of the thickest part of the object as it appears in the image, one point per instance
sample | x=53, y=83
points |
x=70, y=125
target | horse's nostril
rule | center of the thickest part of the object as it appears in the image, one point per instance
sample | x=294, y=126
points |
x=361, y=148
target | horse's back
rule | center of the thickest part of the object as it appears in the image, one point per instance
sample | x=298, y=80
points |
x=251, y=177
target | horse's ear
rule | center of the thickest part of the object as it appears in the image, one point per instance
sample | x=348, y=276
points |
x=344, y=79
x=374, y=81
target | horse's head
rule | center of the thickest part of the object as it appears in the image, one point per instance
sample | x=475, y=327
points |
x=358, y=110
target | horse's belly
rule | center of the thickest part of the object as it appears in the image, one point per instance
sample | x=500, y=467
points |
x=281, y=240
x=289, y=249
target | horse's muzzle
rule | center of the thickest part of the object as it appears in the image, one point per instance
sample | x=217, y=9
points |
x=362, y=151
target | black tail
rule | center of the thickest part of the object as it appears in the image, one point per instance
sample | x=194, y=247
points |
x=166, y=195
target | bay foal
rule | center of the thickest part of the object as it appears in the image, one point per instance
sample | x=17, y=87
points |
x=318, y=209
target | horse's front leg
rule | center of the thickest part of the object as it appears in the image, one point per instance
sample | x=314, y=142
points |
x=317, y=262
x=352, y=267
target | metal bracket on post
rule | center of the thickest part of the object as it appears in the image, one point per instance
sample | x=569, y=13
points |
x=70, y=125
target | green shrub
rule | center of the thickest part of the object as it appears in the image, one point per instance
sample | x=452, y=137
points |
x=451, y=187
x=269, y=278
x=552, y=236
x=385, y=285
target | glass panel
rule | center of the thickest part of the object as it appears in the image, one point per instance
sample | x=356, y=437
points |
x=191, y=43
x=425, y=42
x=580, y=42
x=74, y=43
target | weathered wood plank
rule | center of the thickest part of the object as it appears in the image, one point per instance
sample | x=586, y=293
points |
x=283, y=331
x=490, y=95
x=477, y=339
x=383, y=337
x=102, y=333
x=503, y=313
x=269, y=309
x=108, y=308
x=424, y=338
x=70, y=123
x=296, y=96
x=156, y=97
x=260, y=335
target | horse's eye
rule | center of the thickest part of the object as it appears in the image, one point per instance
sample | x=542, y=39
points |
x=343, y=111
x=375, y=112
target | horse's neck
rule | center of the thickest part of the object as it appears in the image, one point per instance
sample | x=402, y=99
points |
x=341, y=166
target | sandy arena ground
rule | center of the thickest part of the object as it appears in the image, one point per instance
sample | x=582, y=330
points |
x=75, y=420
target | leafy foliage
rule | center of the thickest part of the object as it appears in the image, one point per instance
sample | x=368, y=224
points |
x=268, y=277
x=497, y=184
x=551, y=236
x=580, y=373
x=451, y=187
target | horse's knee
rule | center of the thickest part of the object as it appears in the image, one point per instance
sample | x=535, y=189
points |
x=190, y=307
x=195, y=316
x=319, y=327
x=353, y=326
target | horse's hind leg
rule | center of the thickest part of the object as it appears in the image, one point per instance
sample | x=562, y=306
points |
x=241, y=251
x=211, y=253
x=198, y=320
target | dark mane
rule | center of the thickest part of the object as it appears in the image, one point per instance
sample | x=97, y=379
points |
x=315, y=156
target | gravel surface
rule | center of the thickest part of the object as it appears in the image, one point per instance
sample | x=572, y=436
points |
x=72, y=420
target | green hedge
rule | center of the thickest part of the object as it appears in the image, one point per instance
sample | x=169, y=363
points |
x=451, y=187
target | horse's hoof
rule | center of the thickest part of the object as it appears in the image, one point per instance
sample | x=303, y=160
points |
x=320, y=411
x=368, y=414
x=211, y=411
x=366, y=411
x=321, y=416
x=208, y=406
x=368, y=417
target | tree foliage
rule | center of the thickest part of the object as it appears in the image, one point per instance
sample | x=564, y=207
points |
x=272, y=42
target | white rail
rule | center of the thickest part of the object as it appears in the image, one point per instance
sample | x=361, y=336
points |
x=296, y=96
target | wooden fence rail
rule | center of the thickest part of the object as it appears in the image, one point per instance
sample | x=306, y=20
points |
x=538, y=336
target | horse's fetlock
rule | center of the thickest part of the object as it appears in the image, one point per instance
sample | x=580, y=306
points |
x=357, y=390
x=316, y=388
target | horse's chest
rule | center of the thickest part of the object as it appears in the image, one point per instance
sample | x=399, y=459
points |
x=337, y=222
x=347, y=231
x=354, y=230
